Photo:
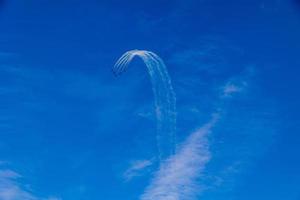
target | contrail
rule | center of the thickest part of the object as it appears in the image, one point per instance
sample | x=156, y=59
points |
x=165, y=100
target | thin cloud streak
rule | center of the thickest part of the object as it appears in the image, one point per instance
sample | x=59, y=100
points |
x=233, y=87
x=136, y=168
x=178, y=177
x=10, y=189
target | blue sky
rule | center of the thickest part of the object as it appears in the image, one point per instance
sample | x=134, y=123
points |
x=71, y=130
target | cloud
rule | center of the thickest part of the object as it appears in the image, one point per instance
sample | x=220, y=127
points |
x=231, y=88
x=136, y=168
x=11, y=189
x=146, y=112
x=52, y=198
x=177, y=178
x=239, y=83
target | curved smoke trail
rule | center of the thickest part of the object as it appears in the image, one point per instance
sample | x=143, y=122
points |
x=165, y=101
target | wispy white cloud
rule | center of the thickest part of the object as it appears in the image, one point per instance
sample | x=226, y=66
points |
x=177, y=178
x=231, y=88
x=135, y=168
x=146, y=112
x=52, y=198
x=11, y=189
x=235, y=85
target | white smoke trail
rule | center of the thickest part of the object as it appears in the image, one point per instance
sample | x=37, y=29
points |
x=165, y=101
x=177, y=177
